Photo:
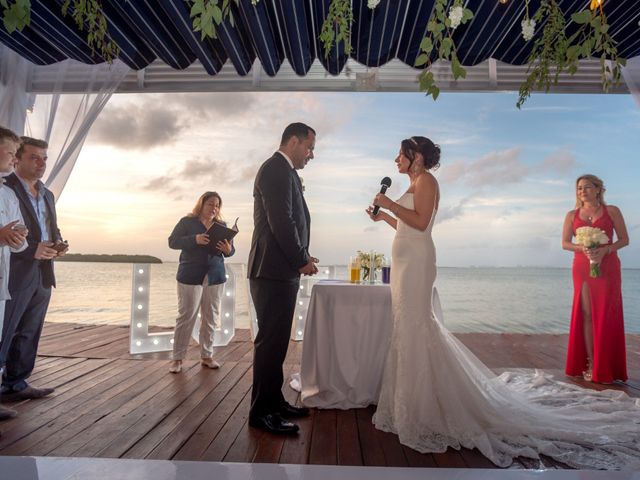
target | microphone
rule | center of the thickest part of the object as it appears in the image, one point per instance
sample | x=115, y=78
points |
x=384, y=184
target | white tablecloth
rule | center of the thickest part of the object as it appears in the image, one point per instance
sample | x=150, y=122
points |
x=346, y=338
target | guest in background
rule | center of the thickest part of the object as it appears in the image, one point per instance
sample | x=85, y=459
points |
x=13, y=233
x=596, y=336
x=31, y=275
x=201, y=277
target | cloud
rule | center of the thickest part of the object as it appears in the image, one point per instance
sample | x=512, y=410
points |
x=496, y=168
x=201, y=172
x=158, y=183
x=139, y=126
x=451, y=212
x=562, y=161
x=214, y=105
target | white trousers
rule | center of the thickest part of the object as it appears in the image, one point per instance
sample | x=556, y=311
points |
x=191, y=298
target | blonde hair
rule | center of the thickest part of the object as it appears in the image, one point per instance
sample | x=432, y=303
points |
x=197, y=209
x=597, y=182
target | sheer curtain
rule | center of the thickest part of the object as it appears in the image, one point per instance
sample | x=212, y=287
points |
x=65, y=120
x=631, y=74
x=14, y=99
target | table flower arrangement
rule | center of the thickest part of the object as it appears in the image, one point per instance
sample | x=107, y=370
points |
x=370, y=263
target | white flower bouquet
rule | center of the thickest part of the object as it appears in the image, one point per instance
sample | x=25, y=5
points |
x=592, y=237
x=369, y=260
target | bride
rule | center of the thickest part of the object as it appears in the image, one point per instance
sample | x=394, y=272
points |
x=437, y=394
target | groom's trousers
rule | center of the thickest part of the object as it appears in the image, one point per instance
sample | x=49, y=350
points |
x=275, y=302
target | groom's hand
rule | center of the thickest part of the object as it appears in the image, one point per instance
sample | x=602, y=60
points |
x=309, y=269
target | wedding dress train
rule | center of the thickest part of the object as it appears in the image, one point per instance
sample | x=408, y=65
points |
x=437, y=394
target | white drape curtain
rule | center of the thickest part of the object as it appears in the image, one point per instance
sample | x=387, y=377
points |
x=14, y=99
x=65, y=136
x=65, y=121
x=631, y=74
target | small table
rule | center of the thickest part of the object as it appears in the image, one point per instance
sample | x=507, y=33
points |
x=346, y=339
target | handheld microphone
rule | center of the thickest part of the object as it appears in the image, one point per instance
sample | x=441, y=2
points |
x=384, y=184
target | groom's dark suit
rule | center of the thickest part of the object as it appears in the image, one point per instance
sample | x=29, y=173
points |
x=279, y=248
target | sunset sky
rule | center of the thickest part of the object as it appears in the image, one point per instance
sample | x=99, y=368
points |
x=507, y=176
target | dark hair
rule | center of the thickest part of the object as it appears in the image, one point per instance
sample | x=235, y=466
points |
x=430, y=151
x=297, y=129
x=6, y=134
x=30, y=141
x=197, y=209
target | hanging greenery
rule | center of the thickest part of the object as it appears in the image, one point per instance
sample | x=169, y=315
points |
x=439, y=38
x=336, y=27
x=16, y=14
x=88, y=14
x=208, y=15
x=553, y=52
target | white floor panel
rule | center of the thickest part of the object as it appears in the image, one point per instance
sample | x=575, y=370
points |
x=51, y=468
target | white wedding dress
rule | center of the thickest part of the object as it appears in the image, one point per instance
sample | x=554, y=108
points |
x=437, y=394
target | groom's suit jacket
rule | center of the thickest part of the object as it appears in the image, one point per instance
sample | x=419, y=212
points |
x=280, y=242
x=23, y=266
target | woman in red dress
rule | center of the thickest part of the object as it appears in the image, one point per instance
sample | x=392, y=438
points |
x=596, y=336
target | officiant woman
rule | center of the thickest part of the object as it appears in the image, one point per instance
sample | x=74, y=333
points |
x=596, y=337
x=201, y=276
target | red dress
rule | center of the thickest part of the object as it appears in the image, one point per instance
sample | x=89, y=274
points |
x=609, y=356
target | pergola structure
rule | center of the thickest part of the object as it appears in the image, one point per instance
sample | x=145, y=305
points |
x=274, y=45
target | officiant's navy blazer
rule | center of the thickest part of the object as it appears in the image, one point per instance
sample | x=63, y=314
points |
x=280, y=242
x=24, y=267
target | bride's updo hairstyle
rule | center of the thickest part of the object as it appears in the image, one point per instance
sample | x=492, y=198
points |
x=430, y=151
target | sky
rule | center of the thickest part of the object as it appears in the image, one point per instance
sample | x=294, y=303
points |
x=507, y=176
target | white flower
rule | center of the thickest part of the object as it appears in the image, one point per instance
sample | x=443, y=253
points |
x=254, y=2
x=373, y=4
x=591, y=237
x=528, y=28
x=455, y=16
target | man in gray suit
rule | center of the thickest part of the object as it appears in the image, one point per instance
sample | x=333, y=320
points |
x=279, y=255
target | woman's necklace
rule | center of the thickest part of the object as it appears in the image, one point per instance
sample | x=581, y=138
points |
x=590, y=217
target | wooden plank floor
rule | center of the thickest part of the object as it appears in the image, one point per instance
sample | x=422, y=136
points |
x=111, y=404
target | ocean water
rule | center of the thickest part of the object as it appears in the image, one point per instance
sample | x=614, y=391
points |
x=524, y=300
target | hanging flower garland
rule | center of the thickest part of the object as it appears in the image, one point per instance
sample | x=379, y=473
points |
x=439, y=38
x=553, y=52
x=336, y=27
x=88, y=14
x=16, y=15
x=207, y=15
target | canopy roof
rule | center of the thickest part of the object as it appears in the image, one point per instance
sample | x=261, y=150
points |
x=278, y=40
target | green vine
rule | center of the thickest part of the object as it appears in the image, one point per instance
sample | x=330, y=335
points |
x=208, y=15
x=89, y=14
x=337, y=26
x=553, y=50
x=440, y=28
x=15, y=15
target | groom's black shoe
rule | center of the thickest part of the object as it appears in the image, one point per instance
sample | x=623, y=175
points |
x=274, y=423
x=289, y=411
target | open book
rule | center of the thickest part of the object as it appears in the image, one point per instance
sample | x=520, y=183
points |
x=218, y=232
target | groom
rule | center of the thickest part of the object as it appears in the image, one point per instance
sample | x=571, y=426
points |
x=279, y=255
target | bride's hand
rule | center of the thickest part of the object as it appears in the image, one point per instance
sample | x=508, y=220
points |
x=375, y=218
x=382, y=200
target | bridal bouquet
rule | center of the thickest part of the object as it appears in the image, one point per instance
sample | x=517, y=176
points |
x=369, y=260
x=591, y=237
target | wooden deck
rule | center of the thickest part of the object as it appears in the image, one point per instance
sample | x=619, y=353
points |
x=111, y=404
